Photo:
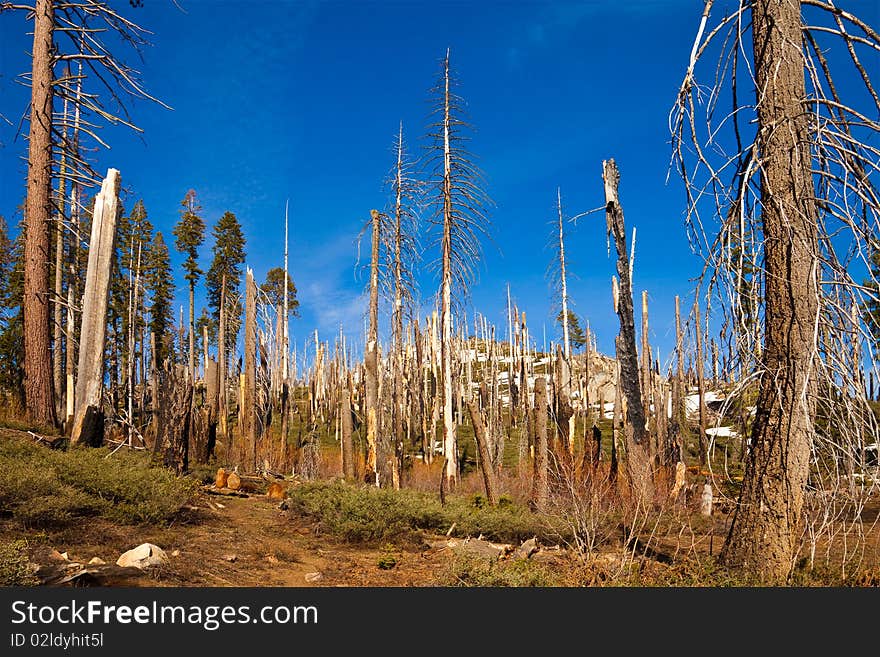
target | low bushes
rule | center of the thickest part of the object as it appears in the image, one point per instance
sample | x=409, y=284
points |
x=40, y=487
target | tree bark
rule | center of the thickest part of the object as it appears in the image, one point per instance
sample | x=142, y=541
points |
x=701, y=386
x=249, y=397
x=638, y=460
x=485, y=459
x=450, y=443
x=371, y=363
x=540, y=484
x=348, y=469
x=38, y=393
x=176, y=392
x=763, y=536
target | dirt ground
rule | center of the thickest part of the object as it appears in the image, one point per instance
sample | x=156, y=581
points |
x=231, y=541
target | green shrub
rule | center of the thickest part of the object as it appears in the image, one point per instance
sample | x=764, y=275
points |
x=46, y=488
x=14, y=565
x=371, y=514
x=472, y=571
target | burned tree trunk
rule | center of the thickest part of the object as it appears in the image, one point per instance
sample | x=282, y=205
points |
x=371, y=363
x=485, y=458
x=38, y=394
x=90, y=372
x=348, y=469
x=540, y=483
x=764, y=533
x=637, y=440
x=175, y=408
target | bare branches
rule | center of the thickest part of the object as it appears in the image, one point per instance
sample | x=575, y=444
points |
x=718, y=156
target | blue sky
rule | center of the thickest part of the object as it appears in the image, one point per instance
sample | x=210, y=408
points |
x=301, y=100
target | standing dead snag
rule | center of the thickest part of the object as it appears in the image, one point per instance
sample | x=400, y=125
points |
x=459, y=213
x=371, y=360
x=764, y=533
x=540, y=484
x=638, y=460
x=801, y=207
x=88, y=425
x=347, y=445
x=248, y=410
x=485, y=458
x=175, y=412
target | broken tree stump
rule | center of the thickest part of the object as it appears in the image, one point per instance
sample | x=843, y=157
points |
x=88, y=422
x=175, y=407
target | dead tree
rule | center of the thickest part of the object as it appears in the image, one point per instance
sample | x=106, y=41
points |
x=371, y=360
x=459, y=204
x=793, y=204
x=486, y=468
x=638, y=459
x=540, y=482
x=175, y=408
x=88, y=425
x=248, y=410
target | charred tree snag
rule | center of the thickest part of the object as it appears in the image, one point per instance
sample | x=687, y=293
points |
x=485, y=458
x=540, y=482
x=638, y=462
x=175, y=408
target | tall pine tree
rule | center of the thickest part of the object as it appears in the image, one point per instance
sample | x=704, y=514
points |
x=160, y=285
x=229, y=254
x=190, y=233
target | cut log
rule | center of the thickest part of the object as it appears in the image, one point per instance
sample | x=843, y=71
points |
x=221, y=479
x=233, y=481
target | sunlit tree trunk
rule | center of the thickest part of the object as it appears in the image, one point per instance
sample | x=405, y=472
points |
x=38, y=381
x=764, y=533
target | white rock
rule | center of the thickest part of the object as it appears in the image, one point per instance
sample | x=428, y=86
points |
x=96, y=561
x=143, y=556
x=314, y=577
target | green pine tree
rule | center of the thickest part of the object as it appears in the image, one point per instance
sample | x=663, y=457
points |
x=576, y=334
x=160, y=285
x=273, y=288
x=190, y=233
x=11, y=326
x=229, y=255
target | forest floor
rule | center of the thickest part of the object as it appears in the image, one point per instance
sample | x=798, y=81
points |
x=239, y=542
x=224, y=540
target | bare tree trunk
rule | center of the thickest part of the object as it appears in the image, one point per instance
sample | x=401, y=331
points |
x=701, y=385
x=248, y=406
x=678, y=411
x=637, y=448
x=348, y=470
x=450, y=444
x=221, y=375
x=38, y=393
x=57, y=329
x=764, y=533
x=86, y=427
x=485, y=458
x=174, y=417
x=192, y=331
x=565, y=337
x=371, y=362
x=540, y=485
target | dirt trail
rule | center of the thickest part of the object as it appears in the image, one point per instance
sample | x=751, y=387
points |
x=243, y=542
